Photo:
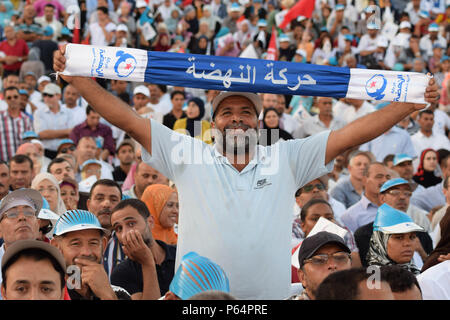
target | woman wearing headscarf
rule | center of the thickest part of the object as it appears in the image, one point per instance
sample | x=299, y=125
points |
x=443, y=246
x=243, y=36
x=228, y=47
x=272, y=132
x=425, y=174
x=393, y=239
x=162, y=202
x=48, y=187
x=69, y=193
x=189, y=125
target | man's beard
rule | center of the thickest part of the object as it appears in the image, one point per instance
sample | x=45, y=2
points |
x=239, y=142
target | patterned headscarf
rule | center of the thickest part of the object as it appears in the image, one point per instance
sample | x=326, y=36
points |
x=378, y=255
x=60, y=206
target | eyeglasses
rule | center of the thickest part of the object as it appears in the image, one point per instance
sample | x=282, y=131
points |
x=310, y=187
x=12, y=97
x=48, y=95
x=322, y=259
x=46, y=229
x=396, y=193
x=71, y=148
x=14, y=214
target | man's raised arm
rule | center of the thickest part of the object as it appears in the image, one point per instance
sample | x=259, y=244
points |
x=107, y=105
x=374, y=124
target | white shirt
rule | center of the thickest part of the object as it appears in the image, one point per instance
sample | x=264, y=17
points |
x=435, y=282
x=240, y=220
x=78, y=115
x=44, y=119
x=367, y=43
x=314, y=125
x=97, y=35
x=348, y=113
x=426, y=44
x=435, y=141
x=164, y=106
x=441, y=121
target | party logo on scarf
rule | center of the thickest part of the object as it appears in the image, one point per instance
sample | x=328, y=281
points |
x=125, y=65
x=376, y=86
x=100, y=62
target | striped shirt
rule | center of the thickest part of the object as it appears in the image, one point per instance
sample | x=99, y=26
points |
x=11, y=130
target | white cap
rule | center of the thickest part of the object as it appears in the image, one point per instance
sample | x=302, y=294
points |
x=122, y=27
x=142, y=89
x=405, y=24
x=44, y=78
x=141, y=4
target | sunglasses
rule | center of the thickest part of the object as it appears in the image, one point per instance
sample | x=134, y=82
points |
x=311, y=187
x=71, y=148
x=48, y=95
x=46, y=229
x=12, y=97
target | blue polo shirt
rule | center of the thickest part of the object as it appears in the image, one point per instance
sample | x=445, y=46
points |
x=240, y=220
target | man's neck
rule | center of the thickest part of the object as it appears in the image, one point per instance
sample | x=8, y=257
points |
x=177, y=113
x=427, y=133
x=137, y=192
x=373, y=198
x=14, y=112
x=326, y=119
x=158, y=252
x=125, y=167
x=54, y=108
x=70, y=106
x=357, y=184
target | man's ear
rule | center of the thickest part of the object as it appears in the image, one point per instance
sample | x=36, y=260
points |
x=151, y=222
x=3, y=292
x=301, y=277
x=88, y=202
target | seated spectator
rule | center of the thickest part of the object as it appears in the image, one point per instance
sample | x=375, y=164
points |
x=150, y=266
x=393, y=239
x=29, y=149
x=425, y=174
x=272, y=131
x=36, y=265
x=193, y=125
x=177, y=98
x=125, y=154
x=353, y=285
x=162, y=203
x=48, y=187
x=69, y=193
x=314, y=261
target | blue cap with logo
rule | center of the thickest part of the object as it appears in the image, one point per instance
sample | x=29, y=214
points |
x=433, y=27
x=46, y=213
x=391, y=221
x=198, y=274
x=90, y=161
x=401, y=157
x=373, y=26
x=48, y=31
x=339, y=7
x=396, y=182
x=77, y=220
x=424, y=14
x=66, y=141
x=445, y=58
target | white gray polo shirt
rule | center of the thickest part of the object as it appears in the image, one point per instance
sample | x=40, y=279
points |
x=240, y=220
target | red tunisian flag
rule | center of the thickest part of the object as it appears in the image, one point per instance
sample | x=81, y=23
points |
x=302, y=8
x=272, y=49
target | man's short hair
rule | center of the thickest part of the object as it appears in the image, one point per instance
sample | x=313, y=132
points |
x=388, y=158
x=21, y=158
x=426, y=111
x=357, y=153
x=103, y=9
x=89, y=109
x=446, y=182
x=137, y=204
x=105, y=182
x=36, y=255
x=343, y=285
x=55, y=161
x=50, y=5
x=399, y=278
x=11, y=88
x=309, y=204
x=174, y=93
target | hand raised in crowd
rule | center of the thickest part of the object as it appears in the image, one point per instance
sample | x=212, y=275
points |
x=136, y=249
x=93, y=275
x=431, y=94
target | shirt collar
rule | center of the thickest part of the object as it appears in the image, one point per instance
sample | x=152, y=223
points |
x=366, y=202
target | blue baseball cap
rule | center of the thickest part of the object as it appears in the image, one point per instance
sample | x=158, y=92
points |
x=373, y=26
x=433, y=27
x=23, y=91
x=396, y=182
x=333, y=61
x=30, y=135
x=283, y=38
x=339, y=7
x=48, y=31
x=324, y=29
x=77, y=220
x=262, y=23
x=46, y=213
x=369, y=9
x=424, y=14
x=401, y=157
x=348, y=37
x=391, y=221
x=66, y=32
x=198, y=274
x=445, y=58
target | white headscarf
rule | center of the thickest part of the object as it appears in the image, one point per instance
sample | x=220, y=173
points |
x=60, y=207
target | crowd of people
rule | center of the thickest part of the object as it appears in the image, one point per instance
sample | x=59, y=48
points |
x=94, y=204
